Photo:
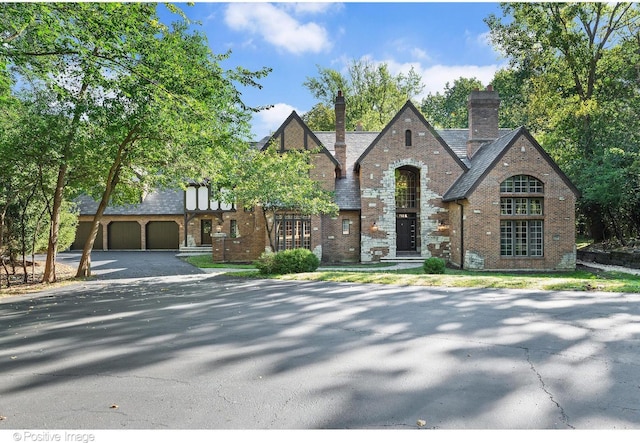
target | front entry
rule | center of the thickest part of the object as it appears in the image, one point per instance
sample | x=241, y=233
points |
x=205, y=232
x=406, y=232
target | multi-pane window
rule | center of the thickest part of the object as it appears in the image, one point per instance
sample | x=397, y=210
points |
x=521, y=238
x=522, y=184
x=407, y=138
x=346, y=226
x=293, y=232
x=520, y=206
x=406, y=188
x=522, y=224
x=233, y=228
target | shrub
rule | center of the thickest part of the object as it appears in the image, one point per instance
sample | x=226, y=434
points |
x=289, y=261
x=265, y=263
x=434, y=265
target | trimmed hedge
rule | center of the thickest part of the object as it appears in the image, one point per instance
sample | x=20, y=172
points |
x=434, y=265
x=290, y=261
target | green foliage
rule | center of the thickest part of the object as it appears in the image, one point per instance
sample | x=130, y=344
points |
x=449, y=110
x=279, y=181
x=66, y=234
x=290, y=261
x=372, y=94
x=321, y=118
x=573, y=80
x=138, y=104
x=434, y=265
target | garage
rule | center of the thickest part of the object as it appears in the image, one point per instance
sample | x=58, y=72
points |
x=82, y=233
x=162, y=235
x=124, y=235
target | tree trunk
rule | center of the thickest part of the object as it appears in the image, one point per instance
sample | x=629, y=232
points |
x=50, y=264
x=269, y=229
x=84, y=267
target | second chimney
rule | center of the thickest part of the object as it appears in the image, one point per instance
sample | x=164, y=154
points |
x=483, y=118
x=341, y=146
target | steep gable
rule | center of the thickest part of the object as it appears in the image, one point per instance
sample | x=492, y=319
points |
x=409, y=106
x=490, y=154
x=295, y=134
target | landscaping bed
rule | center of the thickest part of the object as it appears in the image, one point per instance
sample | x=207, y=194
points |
x=14, y=283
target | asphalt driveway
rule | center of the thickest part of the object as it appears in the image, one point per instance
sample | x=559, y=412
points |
x=196, y=351
x=131, y=264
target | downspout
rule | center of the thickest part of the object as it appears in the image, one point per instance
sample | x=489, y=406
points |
x=461, y=234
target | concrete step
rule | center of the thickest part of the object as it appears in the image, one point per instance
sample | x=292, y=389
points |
x=195, y=250
x=416, y=259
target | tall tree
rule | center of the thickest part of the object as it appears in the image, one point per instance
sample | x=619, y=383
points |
x=372, y=93
x=576, y=58
x=145, y=104
x=187, y=125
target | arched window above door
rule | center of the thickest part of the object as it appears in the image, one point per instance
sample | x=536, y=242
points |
x=406, y=188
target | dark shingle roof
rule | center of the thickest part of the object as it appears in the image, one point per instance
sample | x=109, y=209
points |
x=348, y=188
x=161, y=202
x=457, y=140
x=479, y=165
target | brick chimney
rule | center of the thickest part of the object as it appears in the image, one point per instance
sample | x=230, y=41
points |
x=483, y=118
x=341, y=145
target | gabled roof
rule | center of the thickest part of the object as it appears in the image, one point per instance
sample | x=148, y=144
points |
x=409, y=105
x=309, y=136
x=487, y=156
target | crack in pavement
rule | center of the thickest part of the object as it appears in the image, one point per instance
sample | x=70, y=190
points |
x=563, y=415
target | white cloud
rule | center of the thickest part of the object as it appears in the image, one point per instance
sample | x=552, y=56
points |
x=420, y=54
x=267, y=121
x=435, y=77
x=484, y=40
x=309, y=7
x=277, y=27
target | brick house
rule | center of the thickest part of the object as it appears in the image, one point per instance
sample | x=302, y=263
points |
x=481, y=198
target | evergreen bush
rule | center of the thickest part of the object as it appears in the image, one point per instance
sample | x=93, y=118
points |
x=290, y=261
x=434, y=265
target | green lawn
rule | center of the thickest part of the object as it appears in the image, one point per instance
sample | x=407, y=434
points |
x=206, y=261
x=565, y=281
x=577, y=280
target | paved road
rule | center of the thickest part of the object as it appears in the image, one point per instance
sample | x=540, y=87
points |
x=198, y=351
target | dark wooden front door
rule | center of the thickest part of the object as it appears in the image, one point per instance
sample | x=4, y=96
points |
x=406, y=232
x=205, y=232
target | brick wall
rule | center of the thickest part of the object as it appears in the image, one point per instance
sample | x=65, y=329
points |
x=341, y=246
x=482, y=215
x=248, y=245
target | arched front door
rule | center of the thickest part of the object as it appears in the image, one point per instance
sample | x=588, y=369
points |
x=407, y=204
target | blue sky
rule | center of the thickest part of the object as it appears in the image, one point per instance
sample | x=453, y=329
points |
x=441, y=41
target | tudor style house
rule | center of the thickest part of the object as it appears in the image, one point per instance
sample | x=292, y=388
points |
x=481, y=198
